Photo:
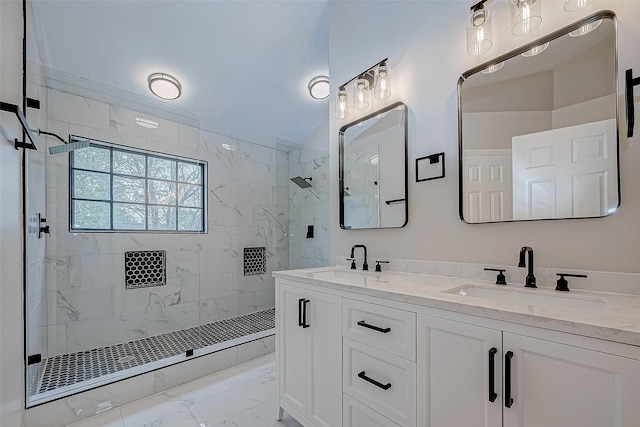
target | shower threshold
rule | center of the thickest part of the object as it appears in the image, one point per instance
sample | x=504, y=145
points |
x=67, y=374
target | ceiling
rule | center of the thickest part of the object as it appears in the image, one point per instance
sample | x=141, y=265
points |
x=244, y=65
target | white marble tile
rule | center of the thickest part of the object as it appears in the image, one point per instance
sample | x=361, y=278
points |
x=72, y=305
x=110, y=418
x=189, y=136
x=89, y=271
x=122, y=121
x=268, y=410
x=263, y=173
x=193, y=369
x=69, y=108
x=216, y=285
x=182, y=264
x=56, y=339
x=230, y=215
x=257, y=153
x=159, y=410
x=126, y=327
x=163, y=319
x=252, y=194
x=254, y=349
x=247, y=418
x=65, y=243
x=109, y=136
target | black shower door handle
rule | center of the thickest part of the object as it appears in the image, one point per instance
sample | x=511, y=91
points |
x=508, y=401
x=492, y=374
x=300, y=320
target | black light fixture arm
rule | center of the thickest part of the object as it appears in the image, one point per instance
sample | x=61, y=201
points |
x=383, y=62
x=41, y=132
x=13, y=108
x=479, y=5
x=631, y=82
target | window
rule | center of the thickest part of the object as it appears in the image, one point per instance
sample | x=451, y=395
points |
x=121, y=189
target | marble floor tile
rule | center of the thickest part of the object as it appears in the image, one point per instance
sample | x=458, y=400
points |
x=242, y=396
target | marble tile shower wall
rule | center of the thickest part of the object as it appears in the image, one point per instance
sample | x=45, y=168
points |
x=309, y=206
x=87, y=304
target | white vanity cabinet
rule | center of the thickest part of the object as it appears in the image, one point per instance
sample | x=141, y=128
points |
x=347, y=359
x=309, y=343
x=475, y=376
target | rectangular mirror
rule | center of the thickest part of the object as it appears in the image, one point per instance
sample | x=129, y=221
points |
x=373, y=170
x=538, y=129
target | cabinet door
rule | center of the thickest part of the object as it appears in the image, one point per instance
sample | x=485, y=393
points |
x=324, y=316
x=293, y=348
x=556, y=385
x=454, y=381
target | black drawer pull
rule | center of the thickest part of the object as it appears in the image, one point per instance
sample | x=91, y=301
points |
x=363, y=375
x=508, y=401
x=492, y=375
x=375, y=328
x=300, y=321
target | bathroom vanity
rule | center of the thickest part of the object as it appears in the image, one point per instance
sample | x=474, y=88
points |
x=365, y=349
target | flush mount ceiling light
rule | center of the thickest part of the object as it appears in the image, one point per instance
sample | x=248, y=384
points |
x=146, y=123
x=526, y=16
x=573, y=5
x=164, y=86
x=319, y=87
x=536, y=50
x=478, y=30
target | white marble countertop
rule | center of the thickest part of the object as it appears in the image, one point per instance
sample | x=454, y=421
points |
x=616, y=317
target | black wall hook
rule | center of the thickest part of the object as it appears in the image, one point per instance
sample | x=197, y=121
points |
x=631, y=82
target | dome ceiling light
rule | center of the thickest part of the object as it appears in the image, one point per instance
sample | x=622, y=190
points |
x=165, y=86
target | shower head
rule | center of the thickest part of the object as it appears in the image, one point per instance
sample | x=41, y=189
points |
x=302, y=182
x=58, y=149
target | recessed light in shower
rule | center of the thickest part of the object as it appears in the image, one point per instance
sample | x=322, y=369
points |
x=164, y=86
x=146, y=123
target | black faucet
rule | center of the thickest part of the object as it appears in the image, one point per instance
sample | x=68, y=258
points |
x=530, y=281
x=365, y=266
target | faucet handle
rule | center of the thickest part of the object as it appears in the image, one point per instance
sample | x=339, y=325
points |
x=500, y=278
x=378, y=268
x=562, y=284
x=353, y=263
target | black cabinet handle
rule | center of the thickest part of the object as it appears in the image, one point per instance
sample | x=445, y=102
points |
x=375, y=328
x=363, y=375
x=508, y=401
x=304, y=313
x=300, y=321
x=492, y=375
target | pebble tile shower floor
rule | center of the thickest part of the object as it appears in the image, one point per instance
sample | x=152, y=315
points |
x=68, y=369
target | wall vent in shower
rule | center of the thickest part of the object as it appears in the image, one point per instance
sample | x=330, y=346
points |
x=255, y=261
x=143, y=269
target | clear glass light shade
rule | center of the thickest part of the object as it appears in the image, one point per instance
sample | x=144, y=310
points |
x=342, y=104
x=536, y=50
x=479, y=32
x=383, y=85
x=573, y=5
x=586, y=28
x=526, y=16
x=361, y=94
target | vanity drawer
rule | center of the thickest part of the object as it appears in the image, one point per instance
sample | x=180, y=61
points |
x=355, y=414
x=380, y=380
x=386, y=328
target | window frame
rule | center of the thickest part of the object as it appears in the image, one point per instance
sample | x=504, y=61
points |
x=203, y=164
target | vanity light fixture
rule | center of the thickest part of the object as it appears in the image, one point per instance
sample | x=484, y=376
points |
x=526, y=16
x=375, y=78
x=536, y=50
x=586, y=28
x=479, y=38
x=573, y=5
x=319, y=87
x=493, y=68
x=164, y=86
x=146, y=123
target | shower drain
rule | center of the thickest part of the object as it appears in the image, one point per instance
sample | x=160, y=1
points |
x=126, y=359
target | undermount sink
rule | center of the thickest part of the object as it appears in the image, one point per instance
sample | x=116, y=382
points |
x=533, y=297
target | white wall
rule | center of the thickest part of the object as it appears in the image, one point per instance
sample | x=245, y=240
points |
x=11, y=336
x=426, y=45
